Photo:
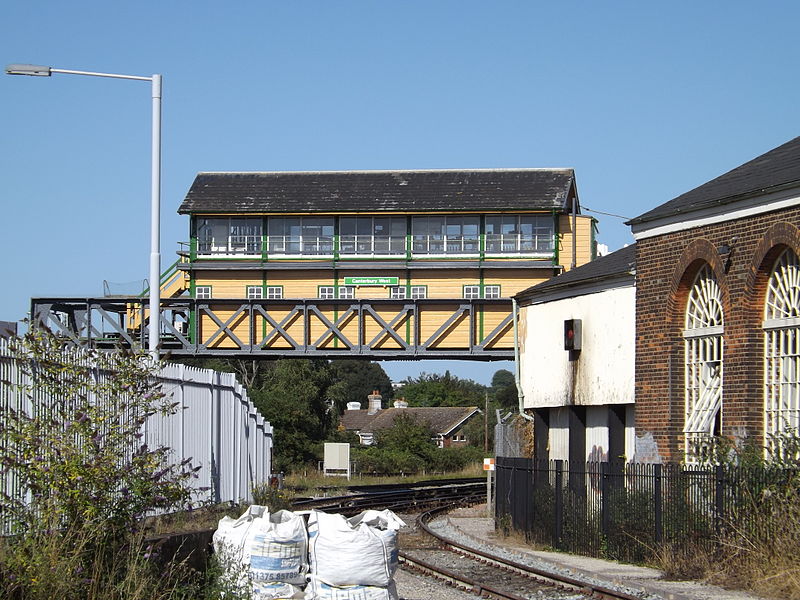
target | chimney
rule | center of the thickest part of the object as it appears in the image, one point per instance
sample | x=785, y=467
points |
x=354, y=406
x=374, y=402
x=400, y=403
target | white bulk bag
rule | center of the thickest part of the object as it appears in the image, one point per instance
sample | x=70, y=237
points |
x=319, y=590
x=361, y=550
x=264, y=546
x=274, y=590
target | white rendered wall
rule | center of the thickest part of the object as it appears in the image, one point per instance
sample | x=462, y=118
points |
x=559, y=434
x=603, y=372
x=597, y=433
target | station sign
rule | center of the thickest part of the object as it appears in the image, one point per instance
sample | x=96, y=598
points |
x=371, y=280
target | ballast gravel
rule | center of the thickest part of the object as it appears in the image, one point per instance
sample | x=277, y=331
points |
x=411, y=586
x=471, y=528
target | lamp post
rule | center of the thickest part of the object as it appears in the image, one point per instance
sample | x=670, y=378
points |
x=155, y=189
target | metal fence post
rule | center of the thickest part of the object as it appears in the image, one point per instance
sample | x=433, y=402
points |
x=658, y=503
x=719, y=498
x=558, y=511
x=604, y=498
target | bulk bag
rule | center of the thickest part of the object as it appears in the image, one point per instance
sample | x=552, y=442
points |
x=264, y=547
x=361, y=550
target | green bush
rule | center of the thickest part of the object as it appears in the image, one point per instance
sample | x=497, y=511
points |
x=407, y=447
x=78, y=450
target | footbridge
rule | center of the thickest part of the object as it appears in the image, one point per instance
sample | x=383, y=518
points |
x=471, y=329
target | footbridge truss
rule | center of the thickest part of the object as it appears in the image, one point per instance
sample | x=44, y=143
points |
x=473, y=329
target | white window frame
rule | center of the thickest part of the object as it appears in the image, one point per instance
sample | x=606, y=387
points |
x=255, y=292
x=782, y=354
x=274, y=292
x=300, y=236
x=401, y=292
x=230, y=236
x=507, y=235
x=347, y=292
x=473, y=292
x=386, y=237
x=327, y=292
x=419, y=292
x=703, y=365
x=445, y=235
x=202, y=292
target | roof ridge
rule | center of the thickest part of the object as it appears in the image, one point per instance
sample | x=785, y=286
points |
x=390, y=171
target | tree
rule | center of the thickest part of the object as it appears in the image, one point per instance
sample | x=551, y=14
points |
x=405, y=447
x=249, y=372
x=443, y=390
x=360, y=378
x=504, y=389
x=502, y=378
x=298, y=398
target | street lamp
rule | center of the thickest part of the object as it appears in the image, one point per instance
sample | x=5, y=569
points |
x=155, y=193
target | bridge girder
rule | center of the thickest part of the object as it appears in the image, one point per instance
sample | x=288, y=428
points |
x=409, y=329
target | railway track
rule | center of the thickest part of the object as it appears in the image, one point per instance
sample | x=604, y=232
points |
x=490, y=575
x=401, y=498
x=430, y=553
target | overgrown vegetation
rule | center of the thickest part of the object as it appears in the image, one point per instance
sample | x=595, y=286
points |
x=407, y=447
x=759, y=542
x=74, y=443
x=304, y=400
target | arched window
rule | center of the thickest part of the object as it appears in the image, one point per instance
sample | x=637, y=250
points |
x=703, y=364
x=781, y=352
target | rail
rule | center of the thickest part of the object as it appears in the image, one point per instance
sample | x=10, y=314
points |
x=582, y=586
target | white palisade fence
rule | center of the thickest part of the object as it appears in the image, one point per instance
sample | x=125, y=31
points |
x=215, y=424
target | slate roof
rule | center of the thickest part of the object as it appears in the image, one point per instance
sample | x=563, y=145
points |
x=773, y=170
x=442, y=419
x=621, y=263
x=357, y=191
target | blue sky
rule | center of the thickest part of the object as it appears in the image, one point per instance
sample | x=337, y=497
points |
x=644, y=100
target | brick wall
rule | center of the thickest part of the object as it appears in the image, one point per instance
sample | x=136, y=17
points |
x=665, y=269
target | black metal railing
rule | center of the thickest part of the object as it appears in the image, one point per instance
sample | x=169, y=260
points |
x=628, y=511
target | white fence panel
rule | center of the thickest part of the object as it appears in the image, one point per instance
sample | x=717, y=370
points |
x=216, y=425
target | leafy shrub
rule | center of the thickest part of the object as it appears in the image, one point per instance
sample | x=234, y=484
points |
x=74, y=443
x=269, y=495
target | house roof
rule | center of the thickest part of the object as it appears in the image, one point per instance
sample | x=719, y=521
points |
x=442, y=420
x=381, y=191
x=612, y=267
x=771, y=171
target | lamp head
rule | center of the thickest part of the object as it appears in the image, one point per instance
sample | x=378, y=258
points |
x=35, y=70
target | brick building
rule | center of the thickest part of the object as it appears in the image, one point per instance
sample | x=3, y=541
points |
x=718, y=311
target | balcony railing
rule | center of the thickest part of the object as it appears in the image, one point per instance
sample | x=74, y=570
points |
x=371, y=245
x=232, y=245
x=516, y=243
x=301, y=245
x=378, y=245
x=445, y=244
